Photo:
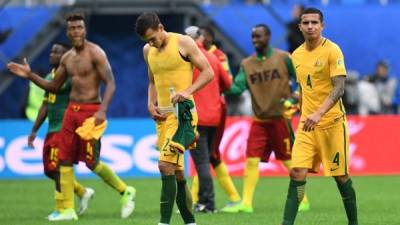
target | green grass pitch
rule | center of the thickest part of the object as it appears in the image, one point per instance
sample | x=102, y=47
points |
x=27, y=202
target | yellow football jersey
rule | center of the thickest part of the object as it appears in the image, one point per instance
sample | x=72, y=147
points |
x=314, y=71
x=170, y=70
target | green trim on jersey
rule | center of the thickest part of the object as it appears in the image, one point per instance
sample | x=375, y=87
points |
x=342, y=106
x=239, y=84
x=261, y=57
x=290, y=68
x=345, y=148
x=56, y=104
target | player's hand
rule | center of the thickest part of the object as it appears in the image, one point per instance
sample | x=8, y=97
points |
x=311, y=121
x=179, y=97
x=156, y=114
x=290, y=108
x=31, y=138
x=21, y=70
x=99, y=117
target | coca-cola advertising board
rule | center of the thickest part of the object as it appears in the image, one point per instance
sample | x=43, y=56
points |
x=374, y=146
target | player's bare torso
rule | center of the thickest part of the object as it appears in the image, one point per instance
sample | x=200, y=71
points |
x=81, y=67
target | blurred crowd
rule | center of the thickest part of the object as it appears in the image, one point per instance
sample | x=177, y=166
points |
x=375, y=93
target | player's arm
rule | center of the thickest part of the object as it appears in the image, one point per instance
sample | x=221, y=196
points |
x=291, y=104
x=225, y=64
x=105, y=73
x=338, y=83
x=24, y=71
x=152, y=93
x=239, y=84
x=192, y=52
x=290, y=67
x=225, y=80
x=41, y=117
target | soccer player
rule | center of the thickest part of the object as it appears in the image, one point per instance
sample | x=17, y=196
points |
x=322, y=134
x=266, y=74
x=209, y=109
x=87, y=66
x=53, y=108
x=170, y=58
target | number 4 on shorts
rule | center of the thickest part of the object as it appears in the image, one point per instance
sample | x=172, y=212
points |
x=336, y=159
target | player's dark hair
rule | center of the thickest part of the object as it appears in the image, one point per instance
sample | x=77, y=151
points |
x=265, y=27
x=75, y=16
x=146, y=21
x=313, y=11
x=209, y=30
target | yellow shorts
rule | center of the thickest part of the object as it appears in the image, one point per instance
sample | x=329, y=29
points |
x=328, y=145
x=165, y=131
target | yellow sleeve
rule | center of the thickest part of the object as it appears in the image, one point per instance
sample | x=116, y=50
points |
x=336, y=62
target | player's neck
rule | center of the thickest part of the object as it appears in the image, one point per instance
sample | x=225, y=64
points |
x=312, y=44
x=80, y=47
x=165, y=37
x=263, y=52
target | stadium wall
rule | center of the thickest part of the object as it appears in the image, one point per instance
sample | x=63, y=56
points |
x=128, y=146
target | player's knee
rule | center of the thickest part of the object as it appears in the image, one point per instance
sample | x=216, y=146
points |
x=180, y=176
x=298, y=174
x=166, y=168
x=341, y=179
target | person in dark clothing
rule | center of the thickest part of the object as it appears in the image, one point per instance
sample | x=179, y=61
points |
x=294, y=36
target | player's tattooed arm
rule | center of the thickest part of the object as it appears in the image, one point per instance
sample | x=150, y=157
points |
x=338, y=88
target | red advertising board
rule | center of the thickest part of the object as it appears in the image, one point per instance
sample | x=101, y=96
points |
x=374, y=146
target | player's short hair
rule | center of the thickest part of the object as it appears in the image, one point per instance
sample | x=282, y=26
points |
x=265, y=27
x=63, y=44
x=313, y=11
x=209, y=30
x=146, y=21
x=75, y=16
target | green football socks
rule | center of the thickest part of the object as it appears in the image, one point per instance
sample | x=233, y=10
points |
x=294, y=197
x=168, y=193
x=184, y=202
x=349, y=201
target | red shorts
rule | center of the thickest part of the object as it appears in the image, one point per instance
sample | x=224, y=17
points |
x=72, y=148
x=50, y=153
x=268, y=136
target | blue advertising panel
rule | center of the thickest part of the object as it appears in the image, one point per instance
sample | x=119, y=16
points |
x=128, y=147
